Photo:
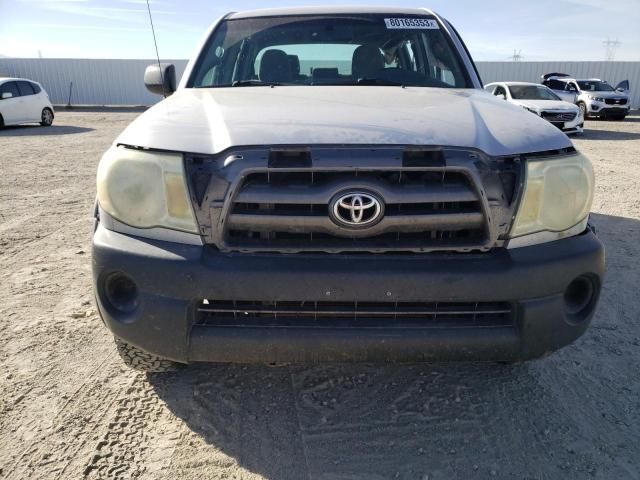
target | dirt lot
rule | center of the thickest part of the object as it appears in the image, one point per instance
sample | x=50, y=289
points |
x=70, y=409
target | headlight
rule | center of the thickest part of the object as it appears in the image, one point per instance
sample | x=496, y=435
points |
x=556, y=199
x=597, y=99
x=535, y=112
x=145, y=189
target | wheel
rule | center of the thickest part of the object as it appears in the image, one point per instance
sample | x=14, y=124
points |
x=46, y=119
x=617, y=117
x=140, y=360
x=1, y=122
x=583, y=108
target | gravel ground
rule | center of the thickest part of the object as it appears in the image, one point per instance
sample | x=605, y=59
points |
x=70, y=409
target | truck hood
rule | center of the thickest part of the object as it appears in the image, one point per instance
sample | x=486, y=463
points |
x=209, y=121
x=539, y=105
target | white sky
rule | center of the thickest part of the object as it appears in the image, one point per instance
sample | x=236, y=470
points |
x=492, y=29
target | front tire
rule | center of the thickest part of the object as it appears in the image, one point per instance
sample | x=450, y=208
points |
x=1, y=122
x=138, y=359
x=46, y=118
x=583, y=108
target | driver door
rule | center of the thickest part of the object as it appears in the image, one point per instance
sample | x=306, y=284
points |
x=623, y=85
x=11, y=107
x=570, y=93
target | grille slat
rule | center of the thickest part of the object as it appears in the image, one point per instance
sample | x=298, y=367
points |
x=314, y=314
x=311, y=195
x=323, y=224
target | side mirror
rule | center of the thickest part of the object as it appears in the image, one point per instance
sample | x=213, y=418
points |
x=6, y=95
x=620, y=89
x=160, y=79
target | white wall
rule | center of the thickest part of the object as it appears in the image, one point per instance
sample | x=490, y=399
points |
x=119, y=82
x=95, y=82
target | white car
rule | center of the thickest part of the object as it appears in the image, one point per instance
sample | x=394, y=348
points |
x=593, y=96
x=542, y=101
x=24, y=101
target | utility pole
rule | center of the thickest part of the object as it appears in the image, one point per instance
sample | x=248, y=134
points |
x=517, y=56
x=610, y=47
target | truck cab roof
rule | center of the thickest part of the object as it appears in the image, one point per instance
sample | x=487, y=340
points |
x=327, y=10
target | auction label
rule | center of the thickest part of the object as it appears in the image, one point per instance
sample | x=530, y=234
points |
x=422, y=23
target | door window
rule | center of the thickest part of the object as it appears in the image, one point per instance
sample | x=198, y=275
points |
x=623, y=85
x=25, y=88
x=10, y=87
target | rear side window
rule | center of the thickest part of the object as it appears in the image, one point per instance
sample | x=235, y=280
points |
x=25, y=88
x=36, y=88
x=554, y=84
x=10, y=87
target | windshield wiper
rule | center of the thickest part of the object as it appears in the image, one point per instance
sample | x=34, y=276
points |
x=378, y=81
x=254, y=83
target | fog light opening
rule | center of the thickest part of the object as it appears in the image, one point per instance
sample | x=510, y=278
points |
x=121, y=292
x=579, y=296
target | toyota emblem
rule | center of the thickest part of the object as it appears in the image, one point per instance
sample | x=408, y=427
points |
x=356, y=209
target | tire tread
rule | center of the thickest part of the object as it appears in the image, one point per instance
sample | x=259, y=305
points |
x=138, y=359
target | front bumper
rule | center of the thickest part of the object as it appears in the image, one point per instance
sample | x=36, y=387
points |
x=604, y=109
x=173, y=278
x=569, y=127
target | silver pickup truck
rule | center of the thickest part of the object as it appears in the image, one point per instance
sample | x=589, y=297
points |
x=334, y=184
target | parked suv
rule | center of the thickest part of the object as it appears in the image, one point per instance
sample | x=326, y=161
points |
x=334, y=184
x=593, y=96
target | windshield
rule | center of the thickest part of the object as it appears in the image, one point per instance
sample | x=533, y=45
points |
x=532, y=92
x=595, y=86
x=330, y=50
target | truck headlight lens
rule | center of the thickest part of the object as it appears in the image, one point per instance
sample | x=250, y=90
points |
x=557, y=195
x=145, y=189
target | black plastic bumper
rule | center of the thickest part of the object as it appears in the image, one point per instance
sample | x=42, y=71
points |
x=606, y=111
x=172, y=278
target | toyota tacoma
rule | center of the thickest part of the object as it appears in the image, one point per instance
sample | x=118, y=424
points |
x=334, y=184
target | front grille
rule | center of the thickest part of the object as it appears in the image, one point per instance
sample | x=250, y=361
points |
x=559, y=116
x=311, y=314
x=615, y=101
x=284, y=200
x=290, y=210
